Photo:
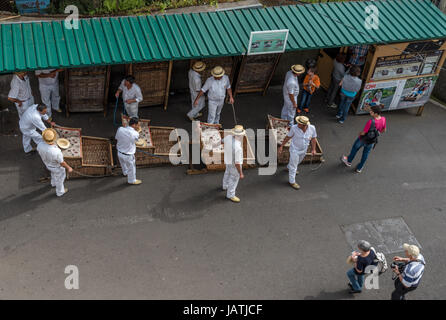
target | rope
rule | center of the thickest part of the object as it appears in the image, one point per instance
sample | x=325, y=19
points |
x=150, y=154
x=114, y=113
x=311, y=164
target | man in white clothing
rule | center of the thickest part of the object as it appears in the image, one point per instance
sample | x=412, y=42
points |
x=49, y=89
x=217, y=86
x=20, y=92
x=126, y=138
x=131, y=95
x=233, y=147
x=30, y=121
x=195, y=88
x=291, y=92
x=53, y=159
x=300, y=134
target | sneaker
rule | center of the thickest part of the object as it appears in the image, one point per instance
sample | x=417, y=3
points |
x=340, y=121
x=299, y=111
x=338, y=117
x=306, y=110
x=344, y=159
x=234, y=199
x=199, y=115
x=295, y=186
x=358, y=171
x=333, y=106
x=352, y=291
x=350, y=285
x=191, y=119
x=136, y=182
x=58, y=110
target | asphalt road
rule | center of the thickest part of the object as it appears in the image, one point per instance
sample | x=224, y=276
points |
x=176, y=237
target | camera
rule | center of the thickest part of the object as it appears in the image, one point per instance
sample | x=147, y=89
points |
x=400, y=265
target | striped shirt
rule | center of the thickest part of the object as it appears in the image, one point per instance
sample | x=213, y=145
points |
x=413, y=272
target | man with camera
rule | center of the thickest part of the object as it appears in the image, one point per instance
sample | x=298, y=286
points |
x=408, y=270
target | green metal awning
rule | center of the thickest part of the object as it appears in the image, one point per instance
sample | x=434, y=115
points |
x=121, y=40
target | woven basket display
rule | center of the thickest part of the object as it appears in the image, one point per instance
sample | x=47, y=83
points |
x=152, y=79
x=86, y=89
x=284, y=157
x=210, y=144
x=256, y=72
x=97, y=158
x=145, y=130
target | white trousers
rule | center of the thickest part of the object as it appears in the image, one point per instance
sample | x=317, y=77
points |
x=295, y=159
x=128, y=166
x=214, y=110
x=230, y=180
x=195, y=110
x=25, y=105
x=132, y=109
x=288, y=111
x=57, y=179
x=27, y=137
x=50, y=97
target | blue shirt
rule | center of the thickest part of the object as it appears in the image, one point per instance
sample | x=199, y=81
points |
x=413, y=272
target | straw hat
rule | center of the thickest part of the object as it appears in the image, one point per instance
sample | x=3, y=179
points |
x=218, y=72
x=297, y=69
x=411, y=249
x=141, y=143
x=238, y=131
x=199, y=66
x=63, y=143
x=49, y=135
x=303, y=120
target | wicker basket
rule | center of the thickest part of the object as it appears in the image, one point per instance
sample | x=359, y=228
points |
x=97, y=158
x=154, y=80
x=248, y=154
x=256, y=72
x=87, y=89
x=284, y=157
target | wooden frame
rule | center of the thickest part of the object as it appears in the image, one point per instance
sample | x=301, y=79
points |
x=147, y=87
x=90, y=71
x=284, y=157
x=248, y=64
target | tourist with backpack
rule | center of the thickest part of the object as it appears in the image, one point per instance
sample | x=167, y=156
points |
x=368, y=138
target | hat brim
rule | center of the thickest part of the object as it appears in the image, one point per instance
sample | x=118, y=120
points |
x=218, y=75
x=63, y=143
x=304, y=124
x=235, y=133
x=55, y=136
x=199, y=69
x=298, y=71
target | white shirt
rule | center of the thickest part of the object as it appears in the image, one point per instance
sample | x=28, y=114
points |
x=51, y=154
x=32, y=120
x=20, y=89
x=290, y=86
x=126, y=137
x=300, y=140
x=194, y=81
x=233, y=150
x=47, y=81
x=217, y=88
x=129, y=94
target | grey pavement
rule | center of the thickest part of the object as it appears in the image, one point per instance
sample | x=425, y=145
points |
x=176, y=237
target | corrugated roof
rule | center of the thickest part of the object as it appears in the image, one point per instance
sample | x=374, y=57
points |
x=119, y=40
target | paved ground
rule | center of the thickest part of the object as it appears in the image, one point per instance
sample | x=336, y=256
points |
x=176, y=237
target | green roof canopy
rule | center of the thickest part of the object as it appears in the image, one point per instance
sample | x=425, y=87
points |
x=120, y=40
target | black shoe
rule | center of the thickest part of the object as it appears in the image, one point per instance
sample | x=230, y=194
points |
x=350, y=285
x=354, y=291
